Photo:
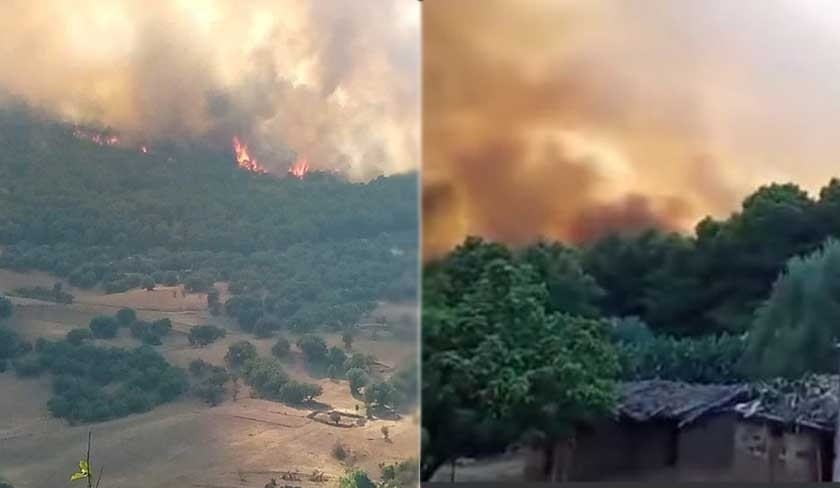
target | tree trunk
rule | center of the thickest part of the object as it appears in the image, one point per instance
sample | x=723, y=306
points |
x=559, y=460
x=452, y=473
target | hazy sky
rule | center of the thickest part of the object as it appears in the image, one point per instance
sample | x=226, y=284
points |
x=568, y=118
x=337, y=81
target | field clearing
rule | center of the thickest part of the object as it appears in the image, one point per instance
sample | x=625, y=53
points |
x=184, y=443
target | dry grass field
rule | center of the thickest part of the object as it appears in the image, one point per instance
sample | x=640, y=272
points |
x=186, y=443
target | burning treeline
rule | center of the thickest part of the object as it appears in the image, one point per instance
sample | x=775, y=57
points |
x=570, y=119
x=242, y=156
x=331, y=85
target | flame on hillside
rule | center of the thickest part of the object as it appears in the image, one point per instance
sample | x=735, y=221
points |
x=98, y=138
x=244, y=159
x=300, y=168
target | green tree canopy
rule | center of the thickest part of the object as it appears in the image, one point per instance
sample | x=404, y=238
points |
x=796, y=329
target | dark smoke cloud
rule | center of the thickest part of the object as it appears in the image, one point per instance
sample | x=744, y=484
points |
x=569, y=119
x=633, y=213
x=336, y=81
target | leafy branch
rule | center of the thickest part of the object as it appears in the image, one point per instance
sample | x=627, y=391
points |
x=85, y=472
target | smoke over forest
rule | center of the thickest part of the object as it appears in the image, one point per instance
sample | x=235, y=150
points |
x=575, y=118
x=335, y=82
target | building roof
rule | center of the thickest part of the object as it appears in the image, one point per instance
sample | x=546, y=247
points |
x=649, y=400
x=810, y=402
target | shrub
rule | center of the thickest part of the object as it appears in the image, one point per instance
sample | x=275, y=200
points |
x=295, y=392
x=54, y=294
x=77, y=336
x=170, y=278
x=198, y=282
x=357, y=360
x=281, y=348
x=358, y=379
x=347, y=337
x=11, y=344
x=28, y=367
x=335, y=417
x=126, y=316
x=266, y=325
x=139, y=328
x=402, y=474
x=151, y=333
x=5, y=307
x=356, y=479
x=148, y=283
x=339, y=451
x=199, y=367
x=161, y=327
x=104, y=327
x=202, y=335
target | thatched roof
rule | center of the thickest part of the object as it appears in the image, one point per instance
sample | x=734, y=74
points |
x=810, y=402
x=650, y=400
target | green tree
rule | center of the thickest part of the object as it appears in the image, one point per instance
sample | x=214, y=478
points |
x=126, y=316
x=796, y=328
x=240, y=353
x=77, y=336
x=347, y=338
x=282, y=348
x=501, y=355
x=5, y=307
x=381, y=394
x=104, y=327
x=570, y=289
x=358, y=379
x=213, y=304
x=314, y=348
x=202, y=335
x=148, y=283
x=295, y=392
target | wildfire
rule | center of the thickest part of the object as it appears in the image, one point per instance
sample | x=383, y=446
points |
x=244, y=160
x=96, y=138
x=300, y=168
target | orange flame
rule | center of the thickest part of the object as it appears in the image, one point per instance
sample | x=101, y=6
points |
x=300, y=168
x=244, y=160
x=96, y=138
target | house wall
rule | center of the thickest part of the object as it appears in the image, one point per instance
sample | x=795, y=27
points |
x=763, y=453
x=717, y=448
x=705, y=449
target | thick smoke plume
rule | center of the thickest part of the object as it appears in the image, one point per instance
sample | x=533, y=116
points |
x=568, y=119
x=337, y=82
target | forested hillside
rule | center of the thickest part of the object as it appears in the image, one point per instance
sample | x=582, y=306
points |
x=183, y=212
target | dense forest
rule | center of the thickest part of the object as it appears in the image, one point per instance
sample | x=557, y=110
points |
x=322, y=249
x=524, y=344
